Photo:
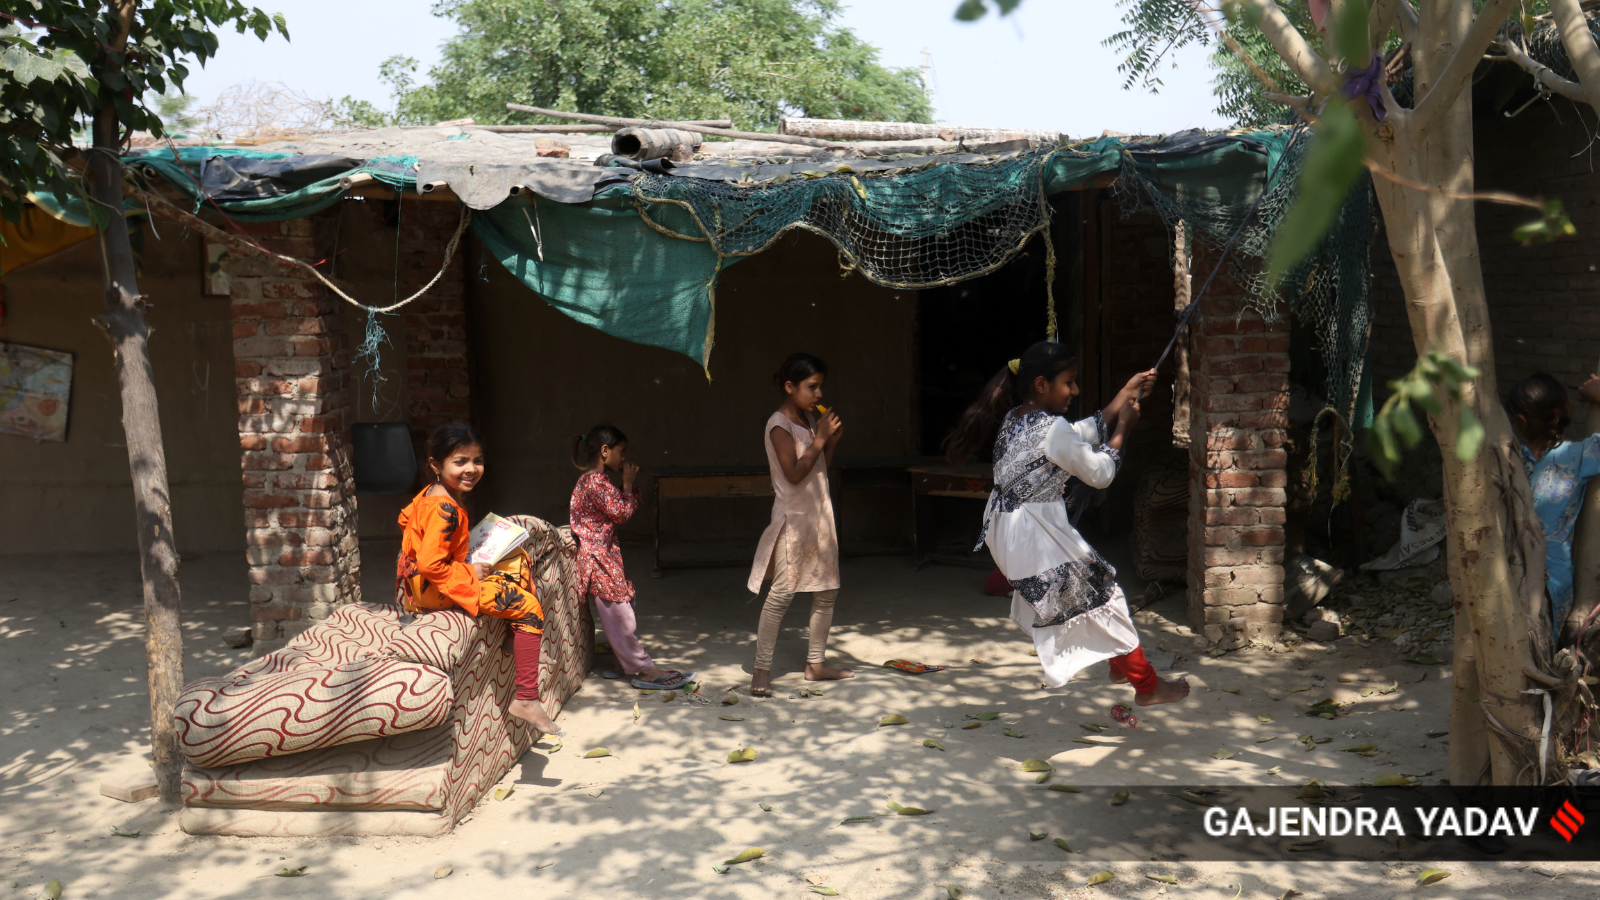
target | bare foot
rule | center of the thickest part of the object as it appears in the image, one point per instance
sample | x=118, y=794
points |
x=1118, y=679
x=760, y=683
x=1167, y=692
x=533, y=713
x=825, y=672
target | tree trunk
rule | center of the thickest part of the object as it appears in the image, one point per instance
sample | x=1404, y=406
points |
x=1585, y=553
x=141, y=423
x=1495, y=547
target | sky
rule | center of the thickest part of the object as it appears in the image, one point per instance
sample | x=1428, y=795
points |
x=1041, y=67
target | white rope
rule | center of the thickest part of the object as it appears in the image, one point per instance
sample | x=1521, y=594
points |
x=449, y=254
x=1544, y=738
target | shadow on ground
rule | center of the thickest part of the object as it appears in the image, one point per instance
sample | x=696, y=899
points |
x=651, y=819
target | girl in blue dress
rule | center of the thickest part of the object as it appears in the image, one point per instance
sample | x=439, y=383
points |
x=1558, y=471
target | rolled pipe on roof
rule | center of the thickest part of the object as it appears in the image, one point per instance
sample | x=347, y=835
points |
x=655, y=143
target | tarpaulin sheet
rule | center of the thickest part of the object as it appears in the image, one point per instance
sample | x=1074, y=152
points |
x=36, y=236
x=602, y=264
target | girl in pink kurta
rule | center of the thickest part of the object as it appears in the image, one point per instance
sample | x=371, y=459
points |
x=799, y=551
x=597, y=508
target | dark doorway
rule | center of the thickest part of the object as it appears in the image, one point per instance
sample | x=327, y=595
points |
x=970, y=329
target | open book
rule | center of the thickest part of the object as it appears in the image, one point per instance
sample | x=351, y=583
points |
x=494, y=539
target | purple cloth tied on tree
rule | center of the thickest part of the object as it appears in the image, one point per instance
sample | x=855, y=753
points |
x=1367, y=84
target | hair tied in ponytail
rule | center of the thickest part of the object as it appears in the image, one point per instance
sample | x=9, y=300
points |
x=1015, y=366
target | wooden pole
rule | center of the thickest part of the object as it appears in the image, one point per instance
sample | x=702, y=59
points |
x=583, y=129
x=123, y=322
x=686, y=126
x=848, y=129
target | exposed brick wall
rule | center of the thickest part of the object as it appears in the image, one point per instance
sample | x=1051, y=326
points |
x=1544, y=301
x=438, y=377
x=292, y=357
x=1239, y=393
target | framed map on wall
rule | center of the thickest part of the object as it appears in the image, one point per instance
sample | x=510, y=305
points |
x=35, y=385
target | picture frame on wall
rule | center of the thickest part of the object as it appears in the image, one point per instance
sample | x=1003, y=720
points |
x=35, y=390
x=218, y=278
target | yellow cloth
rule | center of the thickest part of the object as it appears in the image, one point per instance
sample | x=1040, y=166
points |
x=37, y=236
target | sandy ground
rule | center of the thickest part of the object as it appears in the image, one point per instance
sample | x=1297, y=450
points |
x=652, y=819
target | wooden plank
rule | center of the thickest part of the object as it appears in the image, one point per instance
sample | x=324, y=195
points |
x=132, y=790
x=688, y=486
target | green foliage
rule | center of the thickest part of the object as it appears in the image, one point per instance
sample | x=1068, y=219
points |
x=1350, y=35
x=1155, y=29
x=973, y=10
x=57, y=70
x=1334, y=161
x=1552, y=223
x=176, y=111
x=749, y=60
x=1396, y=425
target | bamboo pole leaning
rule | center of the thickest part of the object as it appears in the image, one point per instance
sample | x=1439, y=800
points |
x=855, y=130
x=586, y=129
x=686, y=126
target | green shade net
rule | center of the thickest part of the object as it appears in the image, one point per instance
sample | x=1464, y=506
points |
x=640, y=262
x=604, y=266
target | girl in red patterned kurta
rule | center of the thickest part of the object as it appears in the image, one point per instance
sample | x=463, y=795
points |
x=597, y=509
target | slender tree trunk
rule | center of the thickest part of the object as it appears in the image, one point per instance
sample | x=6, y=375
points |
x=1585, y=552
x=1496, y=550
x=141, y=423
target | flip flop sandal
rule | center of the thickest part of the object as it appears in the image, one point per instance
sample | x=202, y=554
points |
x=761, y=692
x=668, y=681
x=610, y=674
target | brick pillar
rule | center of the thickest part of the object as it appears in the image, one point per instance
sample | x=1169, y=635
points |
x=438, y=383
x=1239, y=399
x=292, y=358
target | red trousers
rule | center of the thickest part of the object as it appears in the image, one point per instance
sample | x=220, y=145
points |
x=1137, y=670
x=525, y=646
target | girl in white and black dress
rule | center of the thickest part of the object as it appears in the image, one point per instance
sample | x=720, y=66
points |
x=1066, y=596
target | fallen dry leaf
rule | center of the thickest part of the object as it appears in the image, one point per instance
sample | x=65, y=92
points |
x=1063, y=789
x=1036, y=765
x=1222, y=753
x=596, y=753
x=892, y=719
x=932, y=744
x=1100, y=878
x=746, y=856
x=1063, y=845
x=443, y=872
x=748, y=754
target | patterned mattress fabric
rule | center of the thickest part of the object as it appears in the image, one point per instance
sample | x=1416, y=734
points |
x=414, y=783
x=407, y=771
x=307, y=708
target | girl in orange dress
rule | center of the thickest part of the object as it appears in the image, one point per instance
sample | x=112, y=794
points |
x=434, y=573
